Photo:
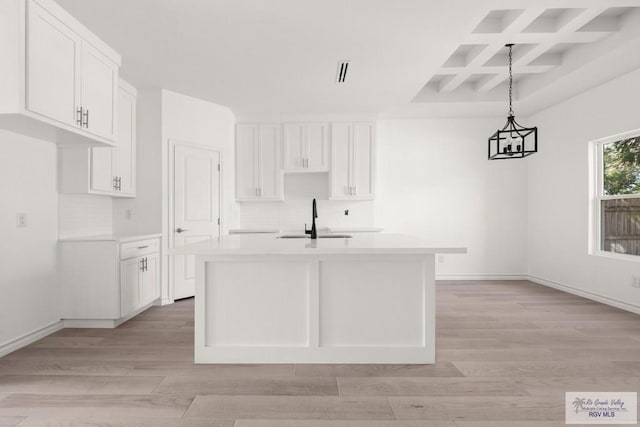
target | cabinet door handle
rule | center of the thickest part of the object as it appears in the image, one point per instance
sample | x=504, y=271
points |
x=85, y=115
x=181, y=230
x=115, y=182
x=119, y=183
x=141, y=264
x=79, y=116
x=143, y=247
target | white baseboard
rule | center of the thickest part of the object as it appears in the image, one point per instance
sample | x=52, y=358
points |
x=487, y=277
x=89, y=323
x=102, y=323
x=586, y=294
x=33, y=336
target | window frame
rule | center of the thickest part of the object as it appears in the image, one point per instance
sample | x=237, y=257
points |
x=597, y=196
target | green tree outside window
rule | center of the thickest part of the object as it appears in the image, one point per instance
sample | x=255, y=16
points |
x=622, y=167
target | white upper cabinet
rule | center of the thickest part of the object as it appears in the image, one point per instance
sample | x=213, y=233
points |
x=124, y=163
x=294, y=138
x=101, y=169
x=110, y=171
x=52, y=67
x=59, y=80
x=352, y=161
x=99, y=92
x=258, y=166
x=306, y=147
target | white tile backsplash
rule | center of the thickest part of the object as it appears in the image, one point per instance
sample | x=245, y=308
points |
x=84, y=215
x=295, y=210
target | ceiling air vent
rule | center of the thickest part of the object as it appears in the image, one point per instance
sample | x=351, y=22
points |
x=343, y=66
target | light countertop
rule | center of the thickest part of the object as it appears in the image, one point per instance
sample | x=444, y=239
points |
x=110, y=238
x=359, y=243
x=345, y=229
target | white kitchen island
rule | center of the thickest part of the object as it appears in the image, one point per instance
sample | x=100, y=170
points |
x=365, y=299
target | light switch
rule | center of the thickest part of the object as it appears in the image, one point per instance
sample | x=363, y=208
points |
x=21, y=219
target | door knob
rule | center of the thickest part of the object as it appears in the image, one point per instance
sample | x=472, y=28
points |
x=181, y=230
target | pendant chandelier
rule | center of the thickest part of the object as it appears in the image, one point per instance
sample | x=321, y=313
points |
x=513, y=141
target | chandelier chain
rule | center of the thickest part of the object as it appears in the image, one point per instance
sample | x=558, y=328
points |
x=510, y=81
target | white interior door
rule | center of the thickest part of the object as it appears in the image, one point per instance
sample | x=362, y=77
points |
x=196, y=210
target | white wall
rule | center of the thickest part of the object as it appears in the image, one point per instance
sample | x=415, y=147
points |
x=559, y=190
x=146, y=207
x=200, y=122
x=435, y=182
x=28, y=274
x=165, y=116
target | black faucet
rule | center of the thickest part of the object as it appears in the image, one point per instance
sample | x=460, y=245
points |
x=314, y=215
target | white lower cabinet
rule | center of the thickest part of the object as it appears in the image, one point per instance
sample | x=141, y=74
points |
x=130, y=270
x=107, y=280
x=138, y=282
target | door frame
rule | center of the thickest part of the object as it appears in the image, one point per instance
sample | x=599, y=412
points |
x=170, y=226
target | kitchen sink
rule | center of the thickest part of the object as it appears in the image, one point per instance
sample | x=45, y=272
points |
x=321, y=236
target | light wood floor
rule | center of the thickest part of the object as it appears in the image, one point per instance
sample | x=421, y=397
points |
x=507, y=352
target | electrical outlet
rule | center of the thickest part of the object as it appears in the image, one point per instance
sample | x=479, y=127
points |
x=635, y=281
x=21, y=220
x=128, y=214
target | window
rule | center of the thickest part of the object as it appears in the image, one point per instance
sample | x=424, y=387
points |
x=616, y=209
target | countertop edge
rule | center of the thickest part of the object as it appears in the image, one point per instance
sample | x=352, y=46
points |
x=110, y=238
x=317, y=251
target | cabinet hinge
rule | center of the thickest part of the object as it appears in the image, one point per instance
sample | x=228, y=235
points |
x=218, y=167
x=218, y=221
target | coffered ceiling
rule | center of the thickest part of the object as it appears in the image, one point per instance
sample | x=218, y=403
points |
x=553, y=46
x=406, y=57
